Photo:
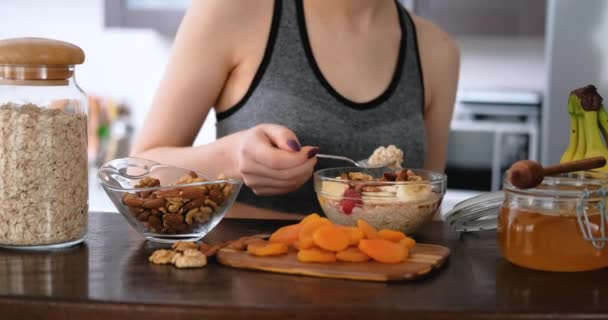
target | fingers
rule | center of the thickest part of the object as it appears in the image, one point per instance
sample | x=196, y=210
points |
x=263, y=149
x=283, y=177
x=281, y=137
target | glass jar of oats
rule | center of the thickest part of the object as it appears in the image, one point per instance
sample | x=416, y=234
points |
x=43, y=145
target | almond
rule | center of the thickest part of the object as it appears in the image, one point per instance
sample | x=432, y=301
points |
x=192, y=193
x=153, y=203
x=132, y=200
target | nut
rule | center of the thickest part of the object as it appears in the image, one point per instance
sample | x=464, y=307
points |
x=227, y=190
x=191, y=258
x=359, y=176
x=132, y=200
x=184, y=245
x=135, y=210
x=212, y=204
x=194, y=192
x=148, y=182
x=169, y=193
x=198, y=216
x=171, y=220
x=194, y=204
x=216, y=195
x=144, y=216
x=174, y=208
x=153, y=203
x=155, y=223
x=144, y=194
x=162, y=256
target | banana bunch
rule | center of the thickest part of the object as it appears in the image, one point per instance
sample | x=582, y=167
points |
x=588, y=126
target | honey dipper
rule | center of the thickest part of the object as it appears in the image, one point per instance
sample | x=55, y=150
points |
x=527, y=174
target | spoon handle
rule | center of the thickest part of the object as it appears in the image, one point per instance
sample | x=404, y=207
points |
x=578, y=165
x=329, y=156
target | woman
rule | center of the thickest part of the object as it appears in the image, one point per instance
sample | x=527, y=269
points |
x=288, y=78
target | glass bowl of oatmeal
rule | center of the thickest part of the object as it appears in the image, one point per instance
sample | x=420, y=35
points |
x=165, y=203
x=399, y=199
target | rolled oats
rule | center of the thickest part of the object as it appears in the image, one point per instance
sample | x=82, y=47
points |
x=43, y=185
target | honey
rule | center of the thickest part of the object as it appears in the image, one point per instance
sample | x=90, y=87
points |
x=549, y=241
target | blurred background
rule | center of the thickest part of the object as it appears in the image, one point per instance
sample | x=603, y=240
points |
x=520, y=59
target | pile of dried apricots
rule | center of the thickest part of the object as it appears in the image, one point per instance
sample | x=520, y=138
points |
x=318, y=240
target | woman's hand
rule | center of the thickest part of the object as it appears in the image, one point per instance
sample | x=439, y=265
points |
x=271, y=161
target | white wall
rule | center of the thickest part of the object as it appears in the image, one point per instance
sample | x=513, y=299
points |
x=125, y=64
x=577, y=54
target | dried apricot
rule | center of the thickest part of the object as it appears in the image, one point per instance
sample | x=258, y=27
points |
x=304, y=244
x=391, y=235
x=383, y=250
x=316, y=255
x=407, y=242
x=355, y=235
x=310, y=217
x=331, y=237
x=352, y=254
x=265, y=249
x=287, y=234
x=308, y=228
x=369, y=232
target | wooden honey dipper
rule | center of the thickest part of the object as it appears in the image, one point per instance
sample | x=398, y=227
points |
x=527, y=174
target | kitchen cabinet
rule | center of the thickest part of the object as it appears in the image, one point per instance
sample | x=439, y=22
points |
x=160, y=15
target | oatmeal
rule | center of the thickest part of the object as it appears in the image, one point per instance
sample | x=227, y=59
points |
x=43, y=186
x=390, y=156
x=404, y=205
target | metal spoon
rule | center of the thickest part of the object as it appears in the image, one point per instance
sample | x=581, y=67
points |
x=361, y=163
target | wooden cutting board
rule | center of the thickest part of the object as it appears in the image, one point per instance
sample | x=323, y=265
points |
x=424, y=258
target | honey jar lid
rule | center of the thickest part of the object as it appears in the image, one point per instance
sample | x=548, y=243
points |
x=39, y=52
x=477, y=213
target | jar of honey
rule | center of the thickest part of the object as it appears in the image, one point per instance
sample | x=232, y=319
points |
x=561, y=225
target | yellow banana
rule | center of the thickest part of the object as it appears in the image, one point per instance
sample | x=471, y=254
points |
x=589, y=101
x=581, y=145
x=574, y=128
x=603, y=120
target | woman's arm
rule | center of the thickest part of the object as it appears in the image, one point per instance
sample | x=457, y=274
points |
x=208, y=47
x=200, y=62
x=440, y=60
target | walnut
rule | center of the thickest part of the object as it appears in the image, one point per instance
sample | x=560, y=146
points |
x=359, y=176
x=191, y=258
x=183, y=246
x=172, y=220
x=155, y=224
x=162, y=256
x=216, y=195
x=148, y=182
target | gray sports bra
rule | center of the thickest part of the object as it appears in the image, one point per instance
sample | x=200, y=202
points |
x=289, y=89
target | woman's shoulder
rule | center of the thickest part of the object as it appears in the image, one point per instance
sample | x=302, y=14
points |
x=230, y=17
x=439, y=57
x=432, y=38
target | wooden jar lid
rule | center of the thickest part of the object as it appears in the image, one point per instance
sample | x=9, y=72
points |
x=37, y=61
x=39, y=52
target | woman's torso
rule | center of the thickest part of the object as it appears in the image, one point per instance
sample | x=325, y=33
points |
x=290, y=88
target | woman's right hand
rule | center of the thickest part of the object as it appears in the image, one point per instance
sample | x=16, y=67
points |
x=271, y=161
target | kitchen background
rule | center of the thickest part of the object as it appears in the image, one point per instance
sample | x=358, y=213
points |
x=520, y=59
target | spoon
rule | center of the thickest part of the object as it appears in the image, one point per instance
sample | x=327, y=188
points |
x=360, y=163
x=527, y=174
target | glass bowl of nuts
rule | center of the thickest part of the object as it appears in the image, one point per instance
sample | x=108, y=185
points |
x=166, y=203
x=387, y=198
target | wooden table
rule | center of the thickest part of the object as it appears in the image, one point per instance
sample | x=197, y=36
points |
x=109, y=278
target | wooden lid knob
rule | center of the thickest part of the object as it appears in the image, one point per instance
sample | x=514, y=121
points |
x=39, y=52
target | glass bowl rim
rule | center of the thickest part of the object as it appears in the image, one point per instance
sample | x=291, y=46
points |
x=438, y=177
